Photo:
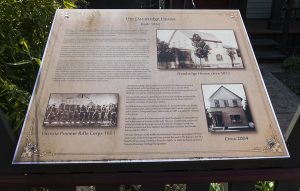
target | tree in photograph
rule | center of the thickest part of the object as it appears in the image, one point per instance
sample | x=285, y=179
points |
x=208, y=118
x=231, y=54
x=201, y=48
x=164, y=52
x=248, y=112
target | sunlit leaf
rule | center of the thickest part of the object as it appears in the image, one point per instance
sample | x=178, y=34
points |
x=37, y=60
x=24, y=43
x=20, y=63
x=69, y=5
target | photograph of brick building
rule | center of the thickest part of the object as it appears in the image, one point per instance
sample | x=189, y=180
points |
x=227, y=108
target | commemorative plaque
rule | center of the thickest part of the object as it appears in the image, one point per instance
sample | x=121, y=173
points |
x=148, y=85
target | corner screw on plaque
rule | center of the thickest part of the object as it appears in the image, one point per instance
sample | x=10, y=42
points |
x=233, y=15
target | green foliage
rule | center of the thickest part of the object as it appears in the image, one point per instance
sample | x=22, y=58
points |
x=39, y=189
x=264, y=186
x=130, y=187
x=14, y=102
x=292, y=64
x=175, y=187
x=24, y=28
x=291, y=75
x=216, y=187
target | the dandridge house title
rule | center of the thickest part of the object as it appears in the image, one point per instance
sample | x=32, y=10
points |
x=150, y=19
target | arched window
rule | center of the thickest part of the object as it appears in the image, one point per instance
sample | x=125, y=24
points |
x=219, y=57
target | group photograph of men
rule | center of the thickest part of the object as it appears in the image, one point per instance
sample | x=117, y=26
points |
x=89, y=111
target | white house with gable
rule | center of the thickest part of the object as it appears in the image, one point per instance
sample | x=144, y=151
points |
x=218, y=56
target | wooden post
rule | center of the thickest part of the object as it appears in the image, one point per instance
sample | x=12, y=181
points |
x=276, y=17
x=241, y=185
x=153, y=187
x=107, y=188
x=286, y=23
x=198, y=187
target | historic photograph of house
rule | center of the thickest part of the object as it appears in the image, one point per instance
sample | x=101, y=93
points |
x=227, y=108
x=192, y=49
x=82, y=110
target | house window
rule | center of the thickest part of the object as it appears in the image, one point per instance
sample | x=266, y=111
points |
x=219, y=57
x=217, y=103
x=226, y=103
x=234, y=102
x=206, y=59
x=217, y=45
x=235, y=118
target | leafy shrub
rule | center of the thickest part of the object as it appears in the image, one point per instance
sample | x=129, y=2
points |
x=24, y=28
x=264, y=186
x=292, y=64
x=216, y=187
